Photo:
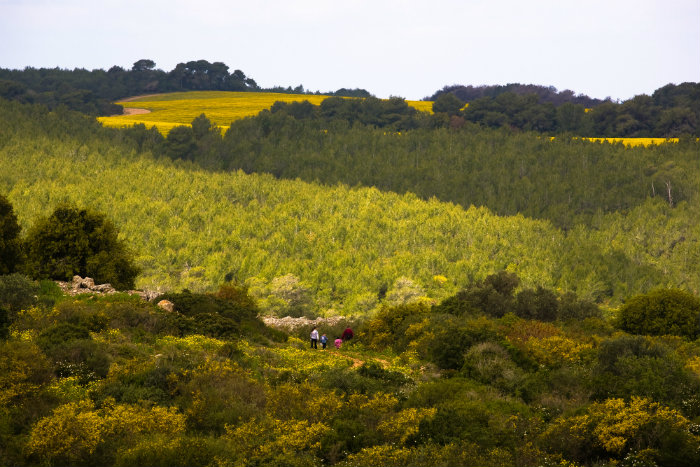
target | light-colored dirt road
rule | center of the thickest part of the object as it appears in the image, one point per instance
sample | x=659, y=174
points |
x=132, y=111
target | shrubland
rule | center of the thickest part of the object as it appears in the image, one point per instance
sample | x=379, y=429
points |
x=115, y=380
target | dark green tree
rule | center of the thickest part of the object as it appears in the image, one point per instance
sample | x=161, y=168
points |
x=448, y=103
x=143, y=65
x=10, y=256
x=74, y=241
x=180, y=143
x=662, y=312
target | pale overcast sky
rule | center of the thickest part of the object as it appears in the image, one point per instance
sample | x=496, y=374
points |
x=409, y=48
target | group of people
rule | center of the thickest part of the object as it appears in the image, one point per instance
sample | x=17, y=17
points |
x=347, y=335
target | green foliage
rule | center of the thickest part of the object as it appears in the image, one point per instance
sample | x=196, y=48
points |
x=74, y=352
x=166, y=451
x=641, y=366
x=540, y=304
x=74, y=241
x=661, y=312
x=17, y=292
x=10, y=253
x=231, y=313
x=448, y=103
x=638, y=432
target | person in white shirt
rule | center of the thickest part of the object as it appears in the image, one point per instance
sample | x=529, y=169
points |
x=314, y=338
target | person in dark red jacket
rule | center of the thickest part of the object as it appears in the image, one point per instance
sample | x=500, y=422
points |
x=347, y=334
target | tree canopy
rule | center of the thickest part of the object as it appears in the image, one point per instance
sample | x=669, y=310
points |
x=75, y=241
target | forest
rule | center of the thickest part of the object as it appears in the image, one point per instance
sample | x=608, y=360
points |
x=519, y=297
x=671, y=111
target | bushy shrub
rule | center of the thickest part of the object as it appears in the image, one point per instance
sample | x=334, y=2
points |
x=17, y=292
x=10, y=251
x=74, y=352
x=489, y=363
x=176, y=451
x=661, y=312
x=230, y=314
x=540, y=304
x=637, y=432
x=642, y=366
x=493, y=296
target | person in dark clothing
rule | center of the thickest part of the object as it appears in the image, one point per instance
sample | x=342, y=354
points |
x=347, y=334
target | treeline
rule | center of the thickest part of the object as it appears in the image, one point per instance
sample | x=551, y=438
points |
x=567, y=180
x=671, y=111
x=546, y=94
x=94, y=91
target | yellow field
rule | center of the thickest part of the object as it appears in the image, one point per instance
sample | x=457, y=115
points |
x=635, y=141
x=221, y=107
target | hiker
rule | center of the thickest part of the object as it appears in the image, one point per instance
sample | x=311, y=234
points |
x=347, y=334
x=314, y=338
x=324, y=341
x=338, y=343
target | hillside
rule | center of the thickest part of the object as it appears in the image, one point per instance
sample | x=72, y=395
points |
x=165, y=111
x=516, y=299
x=344, y=246
x=114, y=380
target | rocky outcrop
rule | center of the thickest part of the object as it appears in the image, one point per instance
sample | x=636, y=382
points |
x=166, y=305
x=84, y=285
x=290, y=324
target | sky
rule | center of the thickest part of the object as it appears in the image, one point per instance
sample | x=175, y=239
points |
x=408, y=48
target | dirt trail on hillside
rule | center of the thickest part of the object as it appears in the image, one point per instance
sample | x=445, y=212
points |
x=133, y=111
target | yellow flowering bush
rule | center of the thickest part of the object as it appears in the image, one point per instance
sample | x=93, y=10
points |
x=74, y=431
x=191, y=343
x=269, y=441
x=69, y=435
x=639, y=429
x=303, y=401
x=555, y=351
x=22, y=368
x=69, y=389
x=404, y=424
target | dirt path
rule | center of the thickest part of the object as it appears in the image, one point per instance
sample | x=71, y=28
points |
x=134, y=111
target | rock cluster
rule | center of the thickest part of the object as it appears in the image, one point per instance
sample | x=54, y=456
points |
x=290, y=324
x=83, y=285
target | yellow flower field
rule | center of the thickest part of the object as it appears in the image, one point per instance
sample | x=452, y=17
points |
x=221, y=107
x=635, y=141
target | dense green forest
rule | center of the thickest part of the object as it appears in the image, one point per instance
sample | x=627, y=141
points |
x=94, y=91
x=567, y=180
x=193, y=228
